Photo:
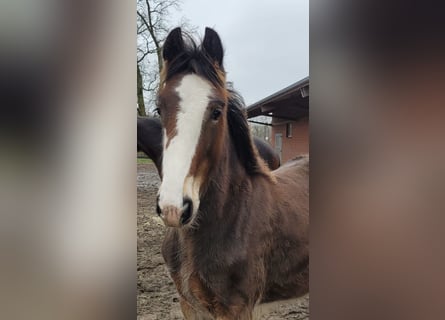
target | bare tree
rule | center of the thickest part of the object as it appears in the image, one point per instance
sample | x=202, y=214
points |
x=153, y=25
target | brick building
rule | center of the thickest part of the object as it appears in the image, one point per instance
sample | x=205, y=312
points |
x=289, y=113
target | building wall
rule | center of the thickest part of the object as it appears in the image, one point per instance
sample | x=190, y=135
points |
x=295, y=145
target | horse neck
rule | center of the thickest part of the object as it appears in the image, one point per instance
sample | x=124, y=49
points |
x=228, y=174
x=221, y=224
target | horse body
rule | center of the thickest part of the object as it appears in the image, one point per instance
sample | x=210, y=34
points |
x=149, y=139
x=251, y=247
x=267, y=153
x=238, y=232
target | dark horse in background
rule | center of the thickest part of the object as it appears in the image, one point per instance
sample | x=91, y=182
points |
x=237, y=235
x=149, y=137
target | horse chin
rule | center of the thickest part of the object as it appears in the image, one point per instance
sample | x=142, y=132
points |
x=176, y=218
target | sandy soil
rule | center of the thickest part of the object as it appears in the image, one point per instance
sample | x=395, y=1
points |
x=157, y=297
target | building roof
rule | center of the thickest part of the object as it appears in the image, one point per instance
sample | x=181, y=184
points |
x=290, y=103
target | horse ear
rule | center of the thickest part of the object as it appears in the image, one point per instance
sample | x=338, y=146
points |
x=173, y=45
x=213, y=46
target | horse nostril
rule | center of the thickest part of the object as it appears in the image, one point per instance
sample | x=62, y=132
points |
x=187, y=210
x=158, y=208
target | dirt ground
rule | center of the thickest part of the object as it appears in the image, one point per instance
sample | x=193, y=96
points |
x=157, y=298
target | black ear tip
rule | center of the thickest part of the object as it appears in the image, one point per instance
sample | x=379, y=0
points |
x=212, y=45
x=176, y=33
x=210, y=32
x=173, y=45
x=211, y=36
x=176, y=30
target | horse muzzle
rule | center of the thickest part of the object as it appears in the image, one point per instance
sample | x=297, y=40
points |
x=174, y=216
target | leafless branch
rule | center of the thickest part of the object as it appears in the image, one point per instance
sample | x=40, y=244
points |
x=152, y=27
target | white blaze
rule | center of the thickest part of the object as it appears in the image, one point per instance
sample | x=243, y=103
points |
x=194, y=94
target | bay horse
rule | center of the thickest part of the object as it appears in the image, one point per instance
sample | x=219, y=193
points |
x=149, y=140
x=237, y=235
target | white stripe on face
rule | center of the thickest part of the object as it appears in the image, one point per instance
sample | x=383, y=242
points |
x=194, y=94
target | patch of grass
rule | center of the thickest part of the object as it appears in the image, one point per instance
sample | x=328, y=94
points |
x=144, y=161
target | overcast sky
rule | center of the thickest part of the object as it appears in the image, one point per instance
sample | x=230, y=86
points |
x=266, y=42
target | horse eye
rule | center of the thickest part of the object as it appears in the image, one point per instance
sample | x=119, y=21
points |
x=158, y=111
x=216, y=114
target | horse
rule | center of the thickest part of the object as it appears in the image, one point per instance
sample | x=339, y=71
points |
x=267, y=153
x=149, y=140
x=237, y=233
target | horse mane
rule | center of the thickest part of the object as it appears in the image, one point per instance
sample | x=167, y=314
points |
x=194, y=59
x=241, y=137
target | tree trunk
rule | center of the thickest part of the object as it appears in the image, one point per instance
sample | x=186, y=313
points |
x=160, y=61
x=140, y=93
